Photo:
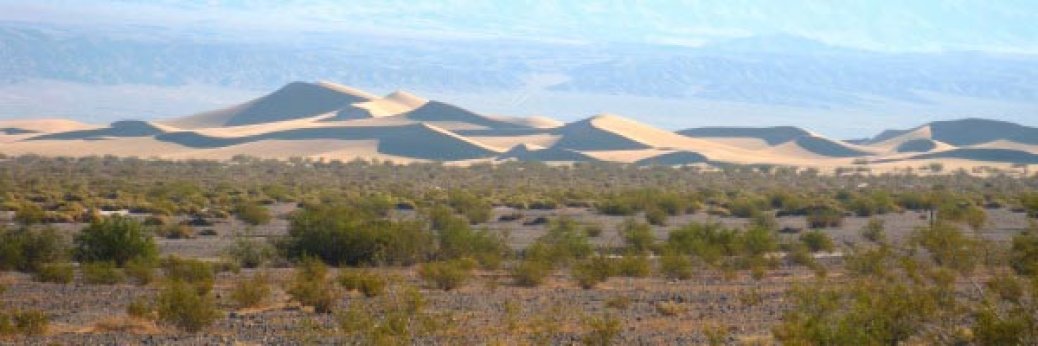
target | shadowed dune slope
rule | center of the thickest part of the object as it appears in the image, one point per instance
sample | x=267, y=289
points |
x=828, y=147
x=125, y=128
x=985, y=155
x=293, y=101
x=416, y=140
x=771, y=135
x=917, y=146
x=677, y=158
x=435, y=111
x=526, y=152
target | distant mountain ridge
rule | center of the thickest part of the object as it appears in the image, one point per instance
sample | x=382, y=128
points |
x=324, y=120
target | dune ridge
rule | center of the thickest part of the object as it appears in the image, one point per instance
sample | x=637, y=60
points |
x=325, y=120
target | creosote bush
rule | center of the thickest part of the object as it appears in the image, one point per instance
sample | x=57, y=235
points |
x=181, y=305
x=27, y=249
x=60, y=273
x=197, y=273
x=447, y=275
x=117, y=239
x=368, y=283
x=251, y=292
x=311, y=286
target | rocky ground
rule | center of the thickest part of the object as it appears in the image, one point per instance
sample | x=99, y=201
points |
x=487, y=310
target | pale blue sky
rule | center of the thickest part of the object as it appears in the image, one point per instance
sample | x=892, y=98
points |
x=891, y=25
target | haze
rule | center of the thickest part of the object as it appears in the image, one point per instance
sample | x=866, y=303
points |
x=839, y=69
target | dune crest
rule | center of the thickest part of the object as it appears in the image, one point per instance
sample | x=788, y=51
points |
x=334, y=121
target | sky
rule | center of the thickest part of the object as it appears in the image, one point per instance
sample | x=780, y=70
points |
x=883, y=25
x=976, y=58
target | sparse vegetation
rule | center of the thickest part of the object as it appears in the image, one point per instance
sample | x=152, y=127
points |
x=182, y=306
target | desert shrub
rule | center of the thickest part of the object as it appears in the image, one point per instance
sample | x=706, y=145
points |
x=670, y=308
x=340, y=235
x=593, y=230
x=947, y=246
x=251, y=292
x=765, y=221
x=447, y=275
x=252, y=213
x=181, y=305
x=530, y=272
x=26, y=249
x=676, y=266
x=141, y=271
x=817, y=240
x=474, y=208
x=895, y=312
x=824, y=217
x=638, y=236
x=157, y=220
x=101, y=273
x=117, y=239
x=175, y=231
x=197, y=273
x=29, y=214
x=1023, y=254
x=249, y=253
x=142, y=308
x=869, y=262
x=602, y=330
x=368, y=283
x=563, y=243
x=30, y=322
x=457, y=240
x=874, y=231
x=633, y=265
x=757, y=242
x=593, y=271
x=709, y=242
x=747, y=207
x=311, y=287
x=59, y=273
x=656, y=216
x=963, y=212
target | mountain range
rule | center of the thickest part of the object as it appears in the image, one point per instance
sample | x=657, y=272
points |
x=325, y=120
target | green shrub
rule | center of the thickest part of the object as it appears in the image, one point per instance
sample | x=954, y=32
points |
x=31, y=322
x=368, y=283
x=310, y=287
x=563, y=243
x=457, y=240
x=249, y=253
x=602, y=331
x=947, y=246
x=447, y=275
x=475, y=209
x=874, y=231
x=29, y=214
x=253, y=214
x=140, y=270
x=530, y=273
x=676, y=266
x=60, y=273
x=824, y=217
x=593, y=230
x=142, y=308
x=175, y=231
x=25, y=249
x=191, y=271
x=656, y=216
x=181, y=305
x=340, y=235
x=101, y=273
x=633, y=265
x=816, y=241
x=638, y=236
x=1023, y=254
x=593, y=271
x=251, y=292
x=118, y=239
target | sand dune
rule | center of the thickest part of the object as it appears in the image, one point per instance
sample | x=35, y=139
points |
x=293, y=101
x=332, y=121
x=770, y=135
x=529, y=152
